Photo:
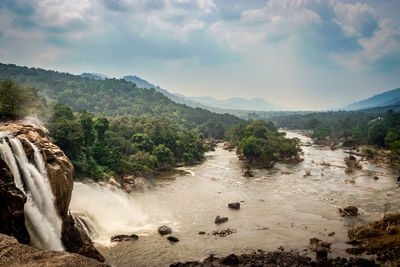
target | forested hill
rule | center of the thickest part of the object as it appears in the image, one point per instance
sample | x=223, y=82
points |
x=387, y=98
x=109, y=97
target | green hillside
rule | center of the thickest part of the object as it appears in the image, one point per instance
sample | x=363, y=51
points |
x=110, y=97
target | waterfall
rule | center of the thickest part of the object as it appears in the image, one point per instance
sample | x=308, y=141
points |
x=41, y=218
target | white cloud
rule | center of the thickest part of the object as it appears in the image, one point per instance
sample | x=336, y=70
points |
x=353, y=17
x=207, y=5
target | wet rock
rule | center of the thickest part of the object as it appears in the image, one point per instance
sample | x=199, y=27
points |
x=234, y=206
x=113, y=182
x=248, y=173
x=308, y=173
x=12, y=201
x=202, y=233
x=121, y=238
x=391, y=229
x=256, y=259
x=219, y=220
x=76, y=240
x=348, y=211
x=376, y=178
x=164, y=230
x=224, y=233
x=173, y=239
x=322, y=252
x=331, y=234
x=316, y=243
x=230, y=260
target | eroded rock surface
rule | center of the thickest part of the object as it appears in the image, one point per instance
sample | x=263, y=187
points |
x=13, y=253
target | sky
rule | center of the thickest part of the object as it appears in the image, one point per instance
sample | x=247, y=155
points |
x=298, y=54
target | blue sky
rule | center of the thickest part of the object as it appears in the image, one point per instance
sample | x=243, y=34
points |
x=300, y=54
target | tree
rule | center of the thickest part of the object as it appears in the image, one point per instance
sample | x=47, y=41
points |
x=351, y=144
x=377, y=133
x=86, y=121
x=101, y=125
x=163, y=154
x=250, y=149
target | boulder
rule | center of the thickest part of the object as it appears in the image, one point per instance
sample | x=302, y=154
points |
x=230, y=260
x=348, y=211
x=13, y=253
x=219, y=220
x=234, y=206
x=121, y=238
x=113, y=182
x=173, y=239
x=164, y=230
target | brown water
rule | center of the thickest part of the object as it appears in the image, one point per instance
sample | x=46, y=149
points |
x=280, y=207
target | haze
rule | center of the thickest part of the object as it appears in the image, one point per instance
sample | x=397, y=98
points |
x=304, y=54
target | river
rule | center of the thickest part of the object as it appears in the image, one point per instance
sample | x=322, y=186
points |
x=279, y=207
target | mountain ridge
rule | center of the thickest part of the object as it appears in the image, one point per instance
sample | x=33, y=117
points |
x=387, y=98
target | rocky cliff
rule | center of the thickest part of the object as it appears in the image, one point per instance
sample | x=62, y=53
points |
x=60, y=173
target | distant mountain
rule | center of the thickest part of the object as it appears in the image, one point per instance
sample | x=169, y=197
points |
x=236, y=103
x=96, y=76
x=388, y=98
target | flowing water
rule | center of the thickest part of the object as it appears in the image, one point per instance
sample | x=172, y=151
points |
x=280, y=206
x=41, y=218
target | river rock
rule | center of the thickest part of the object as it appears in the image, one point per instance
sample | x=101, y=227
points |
x=113, y=182
x=234, y=206
x=322, y=252
x=121, y=238
x=173, y=239
x=164, y=230
x=13, y=253
x=230, y=260
x=219, y=220
x=224, y=233
x=348, y=211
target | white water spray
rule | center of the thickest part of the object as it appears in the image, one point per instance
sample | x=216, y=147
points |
x=41, y=218
x=105, y=212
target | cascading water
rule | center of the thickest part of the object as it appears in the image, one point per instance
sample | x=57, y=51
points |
x=41, y=218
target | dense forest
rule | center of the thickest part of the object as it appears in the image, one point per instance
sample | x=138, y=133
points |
x=112, y=98
x=102, y=146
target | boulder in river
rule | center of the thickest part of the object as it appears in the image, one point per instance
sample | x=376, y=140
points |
x=219, y=219
x=120, y=238
x=230, y=260
x=234, y=206
x=164, y=230
x=173, y=239
x=348, y=211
